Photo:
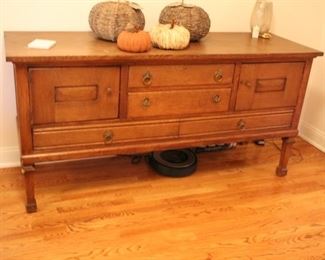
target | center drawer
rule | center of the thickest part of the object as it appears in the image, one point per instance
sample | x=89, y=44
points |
x=180, y=75
x=177, y=102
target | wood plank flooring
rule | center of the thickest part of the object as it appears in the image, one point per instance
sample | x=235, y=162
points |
x=233, y=207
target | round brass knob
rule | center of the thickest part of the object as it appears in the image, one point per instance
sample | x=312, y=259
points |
x=109, y=91
x=146, y=102
x=147, y=79
x=218, y=76
x=108, y=136
x=241, y=124
x=246, y=83
x=216, y=99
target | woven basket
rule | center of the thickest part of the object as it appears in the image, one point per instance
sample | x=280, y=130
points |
x=193, y=18
x=108, y=19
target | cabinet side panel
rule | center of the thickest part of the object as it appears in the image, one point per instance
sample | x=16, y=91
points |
x=23, y=109
x=302, y=93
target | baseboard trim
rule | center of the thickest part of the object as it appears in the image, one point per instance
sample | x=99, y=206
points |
x=312, y=135
x=10, y=156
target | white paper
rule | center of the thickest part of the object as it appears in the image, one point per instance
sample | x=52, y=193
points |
x=41, y=44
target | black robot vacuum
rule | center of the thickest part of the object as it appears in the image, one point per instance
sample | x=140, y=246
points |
x=174, y=163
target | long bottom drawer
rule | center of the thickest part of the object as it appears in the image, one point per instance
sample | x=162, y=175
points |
x=121, y=133
x=234, y=124
x=110, y=134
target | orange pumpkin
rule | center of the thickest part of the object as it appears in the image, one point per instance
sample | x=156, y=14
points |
x=132, y=40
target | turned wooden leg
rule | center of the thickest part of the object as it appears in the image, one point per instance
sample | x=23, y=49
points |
x=282, y=169
x=31, y=205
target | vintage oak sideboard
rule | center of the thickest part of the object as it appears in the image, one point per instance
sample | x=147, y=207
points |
x=85, y=98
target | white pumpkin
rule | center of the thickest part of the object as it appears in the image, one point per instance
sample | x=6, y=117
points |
x=170, y=36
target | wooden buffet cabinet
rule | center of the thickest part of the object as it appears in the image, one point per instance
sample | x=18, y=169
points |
x=84, y=98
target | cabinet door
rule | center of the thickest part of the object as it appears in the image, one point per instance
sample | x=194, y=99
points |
x=74, y=94
x=269, y=85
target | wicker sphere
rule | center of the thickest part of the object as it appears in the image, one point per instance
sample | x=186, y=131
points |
x=193, y=18
x=108, y=19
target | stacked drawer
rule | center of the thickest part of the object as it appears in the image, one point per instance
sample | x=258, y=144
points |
x=179, y=91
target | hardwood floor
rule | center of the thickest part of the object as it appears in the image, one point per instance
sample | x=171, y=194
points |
x=233, y=207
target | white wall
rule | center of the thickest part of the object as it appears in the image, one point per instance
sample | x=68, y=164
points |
x=304, y=21
x=300, y=20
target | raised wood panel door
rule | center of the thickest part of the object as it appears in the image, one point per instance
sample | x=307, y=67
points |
x=74, y=94
x=269, y=85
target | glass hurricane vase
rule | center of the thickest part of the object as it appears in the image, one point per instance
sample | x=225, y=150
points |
x=262, y=17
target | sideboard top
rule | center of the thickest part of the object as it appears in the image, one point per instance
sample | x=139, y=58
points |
x=85, y=47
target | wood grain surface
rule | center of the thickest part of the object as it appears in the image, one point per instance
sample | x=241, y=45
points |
x=233, y=207
x=84, y=46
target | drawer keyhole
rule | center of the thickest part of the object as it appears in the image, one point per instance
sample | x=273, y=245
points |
x=147, y=79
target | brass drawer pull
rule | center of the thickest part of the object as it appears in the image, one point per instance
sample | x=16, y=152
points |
x=147, y=79
x=146, y=102
x=218, y=76
x=216, y=99
x=241, y=124
x=108, y=136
